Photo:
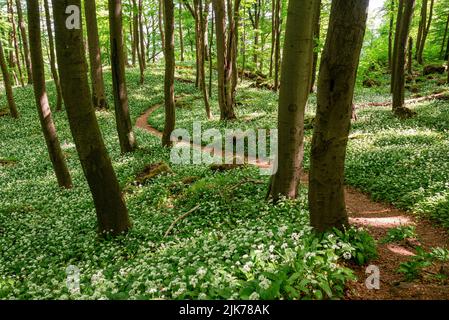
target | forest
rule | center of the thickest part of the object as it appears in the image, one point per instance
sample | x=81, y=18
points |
x=224, y=149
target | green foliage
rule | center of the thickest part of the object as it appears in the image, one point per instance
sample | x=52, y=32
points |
x=364, y=246
x=399, y=234
x=414, y=268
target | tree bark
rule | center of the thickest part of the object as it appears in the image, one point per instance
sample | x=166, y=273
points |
x=426, y=29
x=141, y=37
x=112, y=214
x=224, y=69
x=51, y=44
x=390, y=37
x=40, y=93
x=334, y=109
x=122, y=117
x=399, y=81
x=14, y=41
x=421, y=27
x=7, y=83
x=161, y=23
x=444, y=38
x=316, y=37
x=396, y=42
x=24, y=38
x=181, y=37
x=410, y=56
x=169, y=86
x=96, y=70
x=277, y=49
x=293, y=95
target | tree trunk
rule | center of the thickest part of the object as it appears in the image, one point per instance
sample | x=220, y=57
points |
x=161, y=23
x=24, y=38
x=399, y=81
x=96, y=70
x=410, y=56
x=277, y=49
x=141, y=37
x=122, y=117
x=201, y=58
x=422, y=26
x=169, y=87
x=111, y=210
x=51, y=48
x=181, y=37
x=294, y=92
x=14, y=41
x=316, y=37
x=40, y=94
x=334, y=109
x=7, y=83
x=396, y=42
x=224, y=69
x=273, y=35
x=132, y=32
x=390, y=37
x=444, y=38
x=425, y=33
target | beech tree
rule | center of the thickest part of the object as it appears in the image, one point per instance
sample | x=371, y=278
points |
x=7, y=83
x=224, y=64
x=293, y=95
x=169, y=82
x=24, y=38
x=96, y=69
x=40, y=92
x=404, y=19
x=336, y=84
x=112, y=214
x=122, y=117
x=51, y=49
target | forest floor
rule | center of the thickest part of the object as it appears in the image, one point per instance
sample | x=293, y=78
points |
x=378, y=218
x=233, y=244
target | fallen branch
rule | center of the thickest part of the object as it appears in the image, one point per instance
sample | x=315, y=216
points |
x=438, y=96
x=179, y=219
x=246, y=180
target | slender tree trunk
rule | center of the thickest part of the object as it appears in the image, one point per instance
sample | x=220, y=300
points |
x=169, y=87
x=294, y=92
x=111, y=210
x=410, y=56
x=161, y=23
x=277, y=50
x=426, y=29
x=24, y=38
x=399, y=82
x=334, y=109
x=224, y=69
x=15, y=43
x=444, y=38
x=234, y=20
x=51, y=45
x=153, y=36
x=7, y=83
x=124, y=127
x=141, y=37
x=181, y=37
x=40, y=93
x=273, y=34
x=96, y=70
x=132, y=32
x=422, y=26
x=316, y=37
x=396, y=42
x=201, y=58
x=390, y=37
x=211, y=42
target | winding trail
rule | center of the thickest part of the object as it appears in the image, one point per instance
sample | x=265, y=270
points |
x=377, y=218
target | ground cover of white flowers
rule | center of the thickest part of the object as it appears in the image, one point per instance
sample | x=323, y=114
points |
x=236, y=245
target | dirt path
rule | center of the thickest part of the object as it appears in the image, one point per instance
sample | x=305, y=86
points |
x=377, y=218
